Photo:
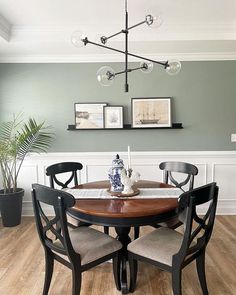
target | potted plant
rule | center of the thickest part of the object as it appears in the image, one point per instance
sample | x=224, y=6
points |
x=18, y=138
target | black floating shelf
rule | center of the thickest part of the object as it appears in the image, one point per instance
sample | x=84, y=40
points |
x=127, y=127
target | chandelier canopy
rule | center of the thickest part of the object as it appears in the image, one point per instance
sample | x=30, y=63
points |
x=106, y=75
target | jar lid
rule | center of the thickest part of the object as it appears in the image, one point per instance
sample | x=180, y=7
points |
x=117, y=162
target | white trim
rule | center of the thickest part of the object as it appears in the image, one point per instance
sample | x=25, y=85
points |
x=101, y=155
x=94, y=58
x=167, y=32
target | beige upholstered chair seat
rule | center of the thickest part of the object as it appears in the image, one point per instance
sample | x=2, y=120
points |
x=172, y=251
x=91, y=244
x=171, y=223
x=159, y=245
x=72, y=221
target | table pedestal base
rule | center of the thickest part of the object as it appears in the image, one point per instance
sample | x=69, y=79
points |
x=121, y=271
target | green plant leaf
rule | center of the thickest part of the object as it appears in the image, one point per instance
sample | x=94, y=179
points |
x=17, y=140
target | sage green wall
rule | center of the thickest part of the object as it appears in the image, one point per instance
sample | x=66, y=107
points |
x=204, y=100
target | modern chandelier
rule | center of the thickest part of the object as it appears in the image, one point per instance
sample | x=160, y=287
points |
x=106, y=75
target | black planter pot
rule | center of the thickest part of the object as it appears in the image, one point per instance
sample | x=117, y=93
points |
x=11, y=207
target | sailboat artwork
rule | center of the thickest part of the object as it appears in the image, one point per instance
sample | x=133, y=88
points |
x=148, y=117
x=151, y=112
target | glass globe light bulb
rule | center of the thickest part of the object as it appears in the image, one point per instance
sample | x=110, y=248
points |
x=173, y=67
x=153, y=21
x=146, y=66
x=77, y=38
x=106, y=76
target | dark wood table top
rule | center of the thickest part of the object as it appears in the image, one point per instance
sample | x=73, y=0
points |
x=125, y=208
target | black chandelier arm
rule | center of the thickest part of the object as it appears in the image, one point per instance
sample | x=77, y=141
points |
x=86, y=41
x=129, y=70
x=109, y=37
x=164, y=64
x=139, y=24
x=122, y=31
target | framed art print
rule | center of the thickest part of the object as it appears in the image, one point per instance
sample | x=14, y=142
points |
x=89, y=115
x=113, y=116
x=151, y=112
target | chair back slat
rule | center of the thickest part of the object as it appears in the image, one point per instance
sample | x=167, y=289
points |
x=182, y=183
x=63, y=167
x=197, y=229
x=61, y=184
x=55, y=228
x=179, y=167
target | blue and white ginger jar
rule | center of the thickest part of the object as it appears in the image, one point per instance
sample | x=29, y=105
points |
x=114, y=174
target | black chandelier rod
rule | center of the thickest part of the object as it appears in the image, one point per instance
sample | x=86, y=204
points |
x=139, y=24
x=126, y=48
x=86, y=41
x=124, y=31
x=129, y=70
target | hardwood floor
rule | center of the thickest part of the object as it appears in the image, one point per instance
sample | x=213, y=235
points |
x=22, y=266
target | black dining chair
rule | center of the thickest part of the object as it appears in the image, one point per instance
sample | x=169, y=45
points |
x=68, y=167
x=189, y=170
x=65, y=167
x=172, y=251
x=79, y=249
x=186, y=171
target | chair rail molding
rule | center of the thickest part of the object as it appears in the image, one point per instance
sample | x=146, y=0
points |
x=216, y=166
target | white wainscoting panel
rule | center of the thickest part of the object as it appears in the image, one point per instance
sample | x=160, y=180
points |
x=28, y=175
x=149, y=171
x=213, y=166
x=97, y=172
x=224, y=174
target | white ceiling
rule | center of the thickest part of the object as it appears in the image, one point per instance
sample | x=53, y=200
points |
x=40, y=30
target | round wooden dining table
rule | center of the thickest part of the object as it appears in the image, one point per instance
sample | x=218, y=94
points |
x=124, y=214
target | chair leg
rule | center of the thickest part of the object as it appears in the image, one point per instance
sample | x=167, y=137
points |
x=76, y=280
x=176, y=281
x=200, y=261
x=133, y=265
x=136, y=232
x=116, y=271
x=106, y=230
x=49, y=264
